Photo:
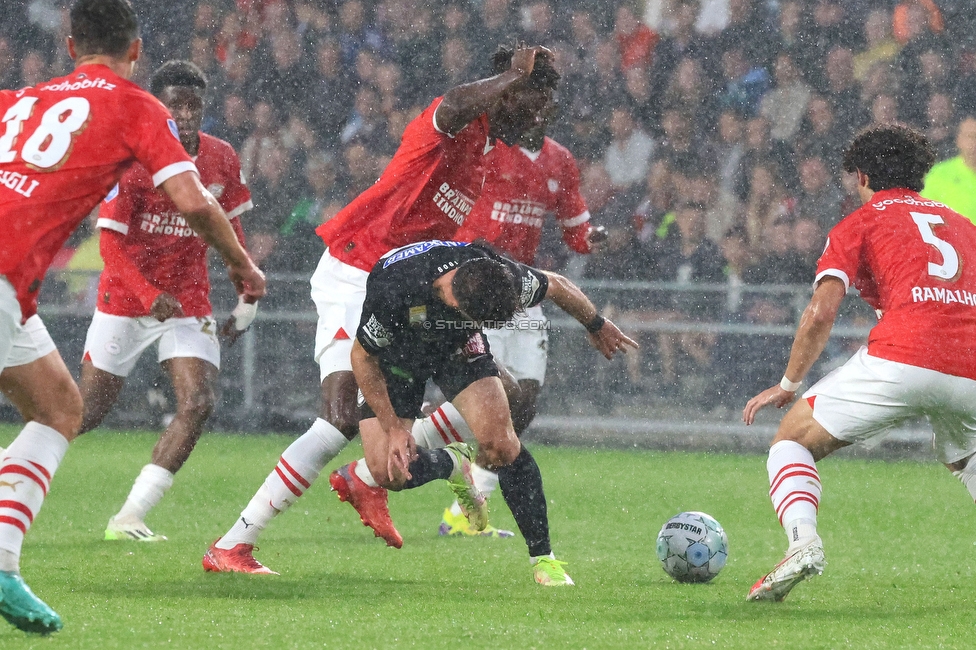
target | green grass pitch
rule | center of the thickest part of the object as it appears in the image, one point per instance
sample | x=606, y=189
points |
x=899, y=539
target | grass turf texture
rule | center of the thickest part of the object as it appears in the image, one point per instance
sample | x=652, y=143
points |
x=899, y=569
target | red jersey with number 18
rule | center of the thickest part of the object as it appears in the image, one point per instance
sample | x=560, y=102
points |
x=913, y=260
x=522, y=187
x=159, y=252
x=64, y=144
x=425, y=193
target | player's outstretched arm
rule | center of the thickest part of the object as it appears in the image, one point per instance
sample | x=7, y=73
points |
x=207, y=218
x=604, y=335
x=808, y=344
x=465, y=103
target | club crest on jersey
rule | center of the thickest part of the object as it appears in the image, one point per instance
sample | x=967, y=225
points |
x=553, y=185
x=173, y=129
x=418, y=314
x=216, y=189
x=400, y=254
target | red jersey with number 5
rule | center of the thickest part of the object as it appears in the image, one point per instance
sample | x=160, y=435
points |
x=158, y=251
x=913, y=260
x=64, y=144
x=425, y=193
x=522, y=188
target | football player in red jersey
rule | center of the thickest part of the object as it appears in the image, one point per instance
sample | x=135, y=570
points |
x=425, y=193
x=155, y=289
x=524, y=184
x=63, y=145
x=907, y=256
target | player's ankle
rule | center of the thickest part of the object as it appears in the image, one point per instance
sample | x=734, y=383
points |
x=800, y=532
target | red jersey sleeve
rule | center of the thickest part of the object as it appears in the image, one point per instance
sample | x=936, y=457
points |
x=571, y=211
x=236, y=198
x=155, y=140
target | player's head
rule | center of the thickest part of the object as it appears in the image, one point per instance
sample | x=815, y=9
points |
x=485, y=290
x=891, y=155
x=181, y=86
x=534, y=136
x=104, y=27
x=966, y=138
x=522, y=104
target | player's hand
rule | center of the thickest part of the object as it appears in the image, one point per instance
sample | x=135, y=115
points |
x=249, y=281
x=403, y=450
x=165, y=306
x=774, y=396
x=239, y=321
x=610, y=340
x=596, y=237
x=523, y=59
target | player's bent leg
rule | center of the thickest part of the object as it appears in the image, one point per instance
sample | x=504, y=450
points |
x=795, y=493
x=99, y=391
x=484, y=406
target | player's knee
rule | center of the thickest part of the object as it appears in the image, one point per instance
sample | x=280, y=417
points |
x=64, y=412
x=198, y=406
x=500, y=451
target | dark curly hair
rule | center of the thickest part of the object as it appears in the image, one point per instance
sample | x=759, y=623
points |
x=486, y=290
x=177, y=73
x=103, y=27
x=892, y=155
x=543, y=75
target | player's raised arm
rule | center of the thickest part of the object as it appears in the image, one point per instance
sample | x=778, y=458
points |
x=207, y=218
x=809, y=342
x=604, y=335
x=525, y=69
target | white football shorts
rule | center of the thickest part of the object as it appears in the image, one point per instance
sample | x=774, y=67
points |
x=20, y=344
x=867, y=396
x=523, y=347
x=115, y=343
x=339, y=291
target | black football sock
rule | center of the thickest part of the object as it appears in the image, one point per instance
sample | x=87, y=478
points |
x=521, y=484
x=429, y=465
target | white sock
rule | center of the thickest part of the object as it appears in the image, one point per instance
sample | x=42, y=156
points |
x=299, y=466
x=147, y=491
x=25, y=477
x=794, y=490
x=967, y=476
x=444, y=426
x=362, y=471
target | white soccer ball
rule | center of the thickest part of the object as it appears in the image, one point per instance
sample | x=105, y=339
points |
x=692, y=547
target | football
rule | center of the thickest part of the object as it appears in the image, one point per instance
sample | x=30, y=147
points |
x=692, y=547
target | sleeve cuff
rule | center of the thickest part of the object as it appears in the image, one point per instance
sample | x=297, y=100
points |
x=834, y=273
x=169, y=171
x=576, y=221
x=109, y=224
x=241, y=209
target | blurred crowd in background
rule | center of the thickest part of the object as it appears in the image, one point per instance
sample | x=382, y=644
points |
x=708, y=132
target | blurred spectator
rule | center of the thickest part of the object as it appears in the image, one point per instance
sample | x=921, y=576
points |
x=730, y=154
x=536, y=22
x=682, y=42
x=284, y=76
x=9, y=70
x=914, y=18
x=637, y=85
x=784, y=106
x=361, y=169
x=456, y=62
x=628, y=158
x=689, y=92
x=880, y=45
x=416, y=55
x=299, y=249
x=925, y=71
x=953, y=181
x=745, y=84
x=355, y=31
x=820, y=132
x=843, y=91
x=820, y=197
x=768, y=200
x=939, y=128
x=33, y=69
x=365, y=124
x=828, y=26
x=263, y=138
x=328, y=94
x=493, y=26
x=273, y=189
x=884, y=110
x=780, y=263
x=681, y=147
x=809, y=241
x=233, y=124
x=635, y=39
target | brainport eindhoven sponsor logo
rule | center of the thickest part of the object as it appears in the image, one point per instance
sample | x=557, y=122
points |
x=453, y=203
x=166, y=224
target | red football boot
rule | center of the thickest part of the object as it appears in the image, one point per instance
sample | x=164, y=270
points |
x=369, y=502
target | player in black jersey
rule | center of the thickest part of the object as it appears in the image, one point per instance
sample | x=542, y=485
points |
x=424, y=310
